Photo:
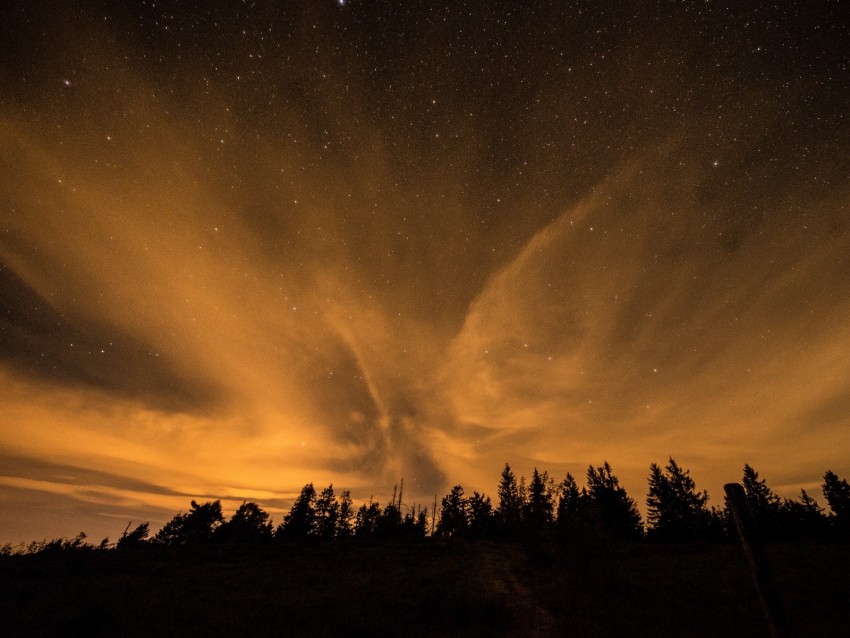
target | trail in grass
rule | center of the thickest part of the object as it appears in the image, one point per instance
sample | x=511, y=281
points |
x=501, y=568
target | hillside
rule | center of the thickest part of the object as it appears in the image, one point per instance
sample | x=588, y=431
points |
x=419, y=589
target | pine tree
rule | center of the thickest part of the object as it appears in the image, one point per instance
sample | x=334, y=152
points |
x=809, y=504
x=454, y=514
x=422, y=523
x=569, y=501
x=366, y=522
x=389, y=522
x=327, y=514
x=675, y=510
x=537, y=511
x=345, y=520
x=510, y=502
x=837, y=494
x=657, y=497
x=480, y=516
x=413, y=524
x=764, y=504
x=611, y=506
x=300, y=523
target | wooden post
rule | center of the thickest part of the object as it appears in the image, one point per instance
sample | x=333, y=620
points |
x=757, y=558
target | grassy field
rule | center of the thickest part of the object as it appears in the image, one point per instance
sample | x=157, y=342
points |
x=421, y=589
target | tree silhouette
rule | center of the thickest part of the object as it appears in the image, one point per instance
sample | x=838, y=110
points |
x=383, y=523
x=675, y=510
x=327, y=514
x=195, y=527
x=454, y=514
x=569, y=503
x=481, y=519
x=802, y=520
x=764, y=504
x=366, y=523
x=837, y=494
x=414, y=523
x=538, y=509
x=421, y=525
x=509, y=510
x=609, y=504
x=345, y=519
x=389, y=520
x=300, y=523
x=249, y=524
x=134, y=539
x=62, y=545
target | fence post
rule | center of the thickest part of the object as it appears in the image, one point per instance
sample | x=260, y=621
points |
x=757, y=559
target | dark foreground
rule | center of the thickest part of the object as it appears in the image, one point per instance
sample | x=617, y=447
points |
x=425, y=589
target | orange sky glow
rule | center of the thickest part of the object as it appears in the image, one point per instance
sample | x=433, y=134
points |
x=235, y=264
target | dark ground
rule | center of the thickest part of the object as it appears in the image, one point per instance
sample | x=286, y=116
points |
x=420, y=589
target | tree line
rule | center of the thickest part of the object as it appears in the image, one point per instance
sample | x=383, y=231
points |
x=675, y=510
x=535, y=510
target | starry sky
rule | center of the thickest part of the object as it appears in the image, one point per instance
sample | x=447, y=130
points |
x=248, y=245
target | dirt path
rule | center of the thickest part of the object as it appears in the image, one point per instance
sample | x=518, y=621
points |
x=500, y=568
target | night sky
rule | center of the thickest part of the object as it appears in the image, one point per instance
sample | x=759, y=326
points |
x=248, y=245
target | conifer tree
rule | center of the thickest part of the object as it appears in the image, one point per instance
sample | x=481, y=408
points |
x=764, y=504
x=300, y=523
x=345, y=520
x=510, y=502
x=610, y=505
x=366, y=522
x=327, y=514
x=389, y=522
x=454, y=514
x=538, y=509
x=675, y=510
x=480, y=516
x=413, y=523
x=569, y=501
x=837, y=494
x=421, y=523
